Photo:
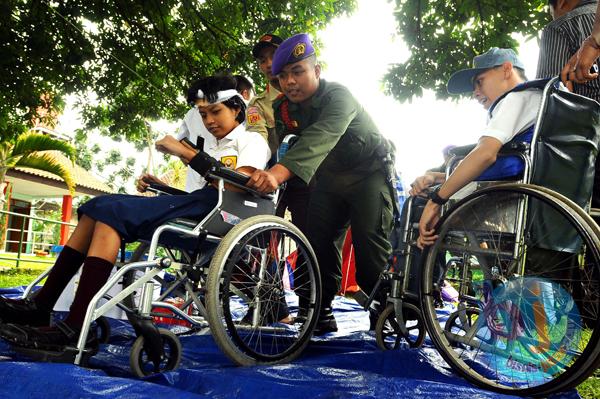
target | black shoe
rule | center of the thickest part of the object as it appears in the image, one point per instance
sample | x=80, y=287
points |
x=301, y=317
x=326, y=323
x=52, y=338
x=271, y=312
x=24, y=312
x=375, y=311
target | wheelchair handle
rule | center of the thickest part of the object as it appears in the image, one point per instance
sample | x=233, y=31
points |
x=236, y=178
x=230, y=175
x=164, y=189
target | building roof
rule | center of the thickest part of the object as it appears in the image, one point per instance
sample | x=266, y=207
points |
x=85, y=182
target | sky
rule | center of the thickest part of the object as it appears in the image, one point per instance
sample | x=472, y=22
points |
x=359, y=58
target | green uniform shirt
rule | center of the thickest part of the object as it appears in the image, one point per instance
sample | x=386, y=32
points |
x=260, y=119
x=337, y=138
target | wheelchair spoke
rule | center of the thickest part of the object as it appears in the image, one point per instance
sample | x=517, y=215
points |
x=520, y=293
x=263, y=274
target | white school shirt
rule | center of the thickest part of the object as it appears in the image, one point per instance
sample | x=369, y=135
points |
x=191, y=128
x=239, y=148
x=513, y=114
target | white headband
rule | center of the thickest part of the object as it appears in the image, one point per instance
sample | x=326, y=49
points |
x=223, y=95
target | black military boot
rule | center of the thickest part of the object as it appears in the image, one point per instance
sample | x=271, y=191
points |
x=326, y=322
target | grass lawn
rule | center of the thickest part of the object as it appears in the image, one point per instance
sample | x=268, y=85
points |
x=10, y=276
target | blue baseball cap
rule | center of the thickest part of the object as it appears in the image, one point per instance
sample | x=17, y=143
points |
x=294, y=49
x=462, y=81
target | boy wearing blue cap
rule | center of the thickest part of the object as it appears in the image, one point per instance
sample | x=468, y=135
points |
x=494, y=73
x=340, y=145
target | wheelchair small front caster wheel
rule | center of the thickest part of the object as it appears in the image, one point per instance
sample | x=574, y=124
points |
x=461, y=323
x=143, y=366
x=387, y=329
x=102, y=329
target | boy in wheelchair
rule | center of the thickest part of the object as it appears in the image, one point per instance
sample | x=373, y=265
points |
x=104, y=222
x=511, y=115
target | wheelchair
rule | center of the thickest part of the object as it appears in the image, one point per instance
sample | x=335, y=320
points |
x=400, y=322
x=241, y=271
x=521, y=260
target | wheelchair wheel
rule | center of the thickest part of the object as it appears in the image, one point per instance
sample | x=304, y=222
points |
x=387, y=330
x=139, y=254
x=142, y=366
x=263, y=292
x=130, y=301
x=102, y=329
x=512, y=321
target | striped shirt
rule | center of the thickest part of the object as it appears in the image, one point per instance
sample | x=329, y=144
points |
x=561, y=39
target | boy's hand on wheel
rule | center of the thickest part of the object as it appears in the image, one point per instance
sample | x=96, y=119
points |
x=427, y=224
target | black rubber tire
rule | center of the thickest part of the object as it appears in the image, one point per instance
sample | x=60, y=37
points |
x=387, y=326
x=102, y=329
x=230, y=333
x=142, y=367
x=583, y=356
x=129, y=277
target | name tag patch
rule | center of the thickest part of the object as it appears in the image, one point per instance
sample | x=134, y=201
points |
x=253, y=116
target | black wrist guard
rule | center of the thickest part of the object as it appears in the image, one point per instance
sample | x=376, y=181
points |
x=203, y=163
x=436, y=199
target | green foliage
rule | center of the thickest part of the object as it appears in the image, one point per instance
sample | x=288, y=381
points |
x=27, y=151
x=444, y=36
x=138, y=56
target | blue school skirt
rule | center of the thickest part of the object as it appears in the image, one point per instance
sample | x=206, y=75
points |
x=135, y=217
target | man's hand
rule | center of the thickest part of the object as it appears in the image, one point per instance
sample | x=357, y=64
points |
x=267, y=181
x=143, y=182
x=429, y=219
x=579, y=65
x=263, y=181
x=421, y=184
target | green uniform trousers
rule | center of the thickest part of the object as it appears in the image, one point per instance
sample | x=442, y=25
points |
x=365, y=205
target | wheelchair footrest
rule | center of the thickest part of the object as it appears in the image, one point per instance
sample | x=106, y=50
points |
x=67, y=355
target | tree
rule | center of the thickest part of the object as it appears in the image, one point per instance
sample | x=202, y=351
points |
x=444, y=36
x=137, y=56
x=28, y=151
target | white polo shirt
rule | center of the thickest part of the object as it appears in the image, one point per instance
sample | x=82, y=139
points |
x=239, y=148
x=513, y=114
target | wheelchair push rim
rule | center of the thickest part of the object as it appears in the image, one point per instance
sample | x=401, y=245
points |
x=263, y=292
x=514, y=326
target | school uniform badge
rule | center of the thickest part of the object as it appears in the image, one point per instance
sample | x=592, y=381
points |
x=229, y=161
x=252, y=116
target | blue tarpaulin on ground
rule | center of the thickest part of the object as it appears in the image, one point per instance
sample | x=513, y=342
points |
x=346, y=364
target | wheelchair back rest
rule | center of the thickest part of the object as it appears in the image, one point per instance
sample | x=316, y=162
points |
x=285, y=145
x=236, y=207
x=565, y=143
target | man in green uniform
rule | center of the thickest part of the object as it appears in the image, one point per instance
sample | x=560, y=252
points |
x=340, y=145
x=260, y=119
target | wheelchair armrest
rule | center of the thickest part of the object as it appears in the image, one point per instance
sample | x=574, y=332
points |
x=514, y=148
x=507, y=149
x=235, y=178
x=163, y=189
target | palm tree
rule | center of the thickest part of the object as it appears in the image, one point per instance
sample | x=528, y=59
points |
x=28, y=150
